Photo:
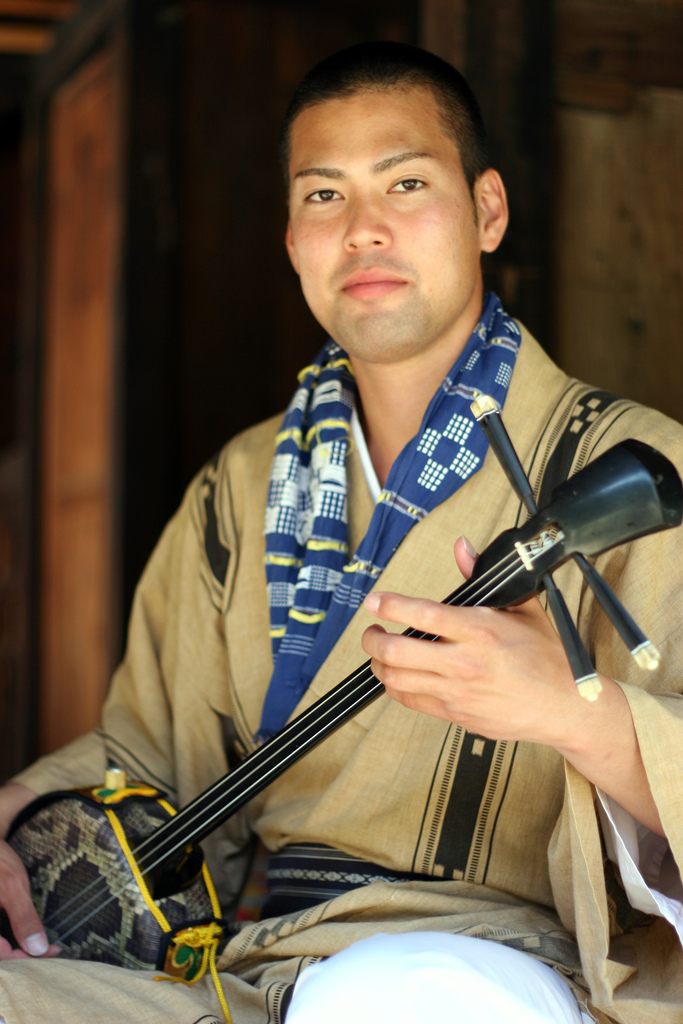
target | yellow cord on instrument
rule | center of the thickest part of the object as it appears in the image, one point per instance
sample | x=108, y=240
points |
x=137, y=874
x=202, y=936
x=205, y=937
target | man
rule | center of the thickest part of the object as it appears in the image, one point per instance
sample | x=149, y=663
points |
x=464, y=810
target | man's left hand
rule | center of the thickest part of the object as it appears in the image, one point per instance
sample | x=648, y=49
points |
x=505, y=675
x=501, y=674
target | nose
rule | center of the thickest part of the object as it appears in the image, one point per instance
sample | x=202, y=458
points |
x=366, y=228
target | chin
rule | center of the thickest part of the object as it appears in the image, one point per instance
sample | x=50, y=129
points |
x=384, y=337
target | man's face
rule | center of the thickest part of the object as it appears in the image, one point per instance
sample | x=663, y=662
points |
x=383, y=231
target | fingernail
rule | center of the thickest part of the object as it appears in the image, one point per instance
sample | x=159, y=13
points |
x=35, y=945
x=469, y=547
x=372, y=603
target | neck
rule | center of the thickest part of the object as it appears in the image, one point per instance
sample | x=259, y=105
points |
x=391, y=410
x=394, y=398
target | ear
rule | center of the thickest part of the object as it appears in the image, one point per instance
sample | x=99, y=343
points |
x=491, y=202
x=289, y=243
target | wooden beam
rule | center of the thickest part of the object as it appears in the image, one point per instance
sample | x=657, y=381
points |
x=443, y=30
x=605, y=50
x=44, y=10
x=76, y=37
x=593, y=92
x=25, y=38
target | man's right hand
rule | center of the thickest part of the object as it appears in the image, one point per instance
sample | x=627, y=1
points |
x=15, y=895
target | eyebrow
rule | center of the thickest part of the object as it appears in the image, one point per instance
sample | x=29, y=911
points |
x=393, y=161
x=378, y=168
x=320, y=172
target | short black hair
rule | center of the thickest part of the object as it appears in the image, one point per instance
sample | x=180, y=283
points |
x=387, y=65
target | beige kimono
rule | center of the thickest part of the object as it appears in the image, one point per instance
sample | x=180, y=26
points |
x=392, y=786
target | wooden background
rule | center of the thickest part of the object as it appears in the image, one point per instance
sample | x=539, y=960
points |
x=147, y=308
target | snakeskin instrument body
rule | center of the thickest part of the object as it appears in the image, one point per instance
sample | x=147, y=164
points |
x=86, y=886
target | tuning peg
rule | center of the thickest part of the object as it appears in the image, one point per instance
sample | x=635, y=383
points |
x=642, y=650
x=585, y=677
x=487, y=413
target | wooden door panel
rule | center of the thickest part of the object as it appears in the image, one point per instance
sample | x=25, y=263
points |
x=619, y=291
x=77, y=423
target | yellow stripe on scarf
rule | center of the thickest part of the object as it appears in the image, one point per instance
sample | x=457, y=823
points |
x=306, y=617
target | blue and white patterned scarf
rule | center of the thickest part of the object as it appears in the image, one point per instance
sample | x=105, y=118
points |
x=313, y=587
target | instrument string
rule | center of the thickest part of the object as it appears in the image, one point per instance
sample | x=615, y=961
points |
x=471, y=593
x=359, y=678
x=339, y=703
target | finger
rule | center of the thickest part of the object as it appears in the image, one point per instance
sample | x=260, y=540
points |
x=450, y=622
x=8, y=953
x=412, y=686
x=465, y=556
x=395, y=652
x=427, y=704
x=15, y=898
x=419, y=613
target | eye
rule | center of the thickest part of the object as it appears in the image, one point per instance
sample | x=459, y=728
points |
x=322, y=195
x=408, y=185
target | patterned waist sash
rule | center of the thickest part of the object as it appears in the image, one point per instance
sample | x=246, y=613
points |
x=304, y=874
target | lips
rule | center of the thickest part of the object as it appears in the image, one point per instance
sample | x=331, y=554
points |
x=372, y=284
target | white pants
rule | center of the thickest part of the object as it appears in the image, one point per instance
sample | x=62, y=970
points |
x=432, y=977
